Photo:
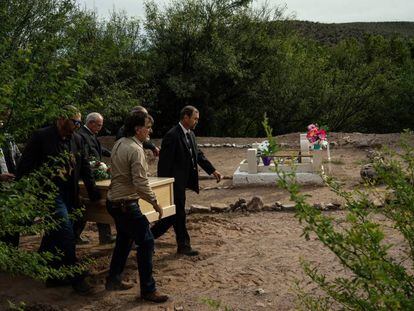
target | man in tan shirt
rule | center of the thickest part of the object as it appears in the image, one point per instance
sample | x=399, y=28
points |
x=129, y=183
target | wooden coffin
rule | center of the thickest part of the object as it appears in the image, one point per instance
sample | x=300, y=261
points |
x=163, y=188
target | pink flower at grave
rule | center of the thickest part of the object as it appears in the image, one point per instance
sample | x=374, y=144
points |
x=312, y=134
x=322, y=134
x=315, y=135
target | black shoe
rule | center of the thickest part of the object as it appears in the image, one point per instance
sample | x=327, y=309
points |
x=155, y=297
x=82, y=287
x=107, y=239
x=117, y=285
x=82, y=241
x=188, y=251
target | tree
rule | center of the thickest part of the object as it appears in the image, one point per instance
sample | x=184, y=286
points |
x=35, y=78
x=205, y=53
x=114, y=55
x=35, y=81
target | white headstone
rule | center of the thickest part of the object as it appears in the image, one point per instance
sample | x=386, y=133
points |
x=252, y=160
x=304, y=148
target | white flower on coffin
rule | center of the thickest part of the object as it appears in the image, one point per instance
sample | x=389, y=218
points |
x=103, y=166
x=98, y=165
x=100, y=170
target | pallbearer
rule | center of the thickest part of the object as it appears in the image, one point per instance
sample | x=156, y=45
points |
x=129, y=183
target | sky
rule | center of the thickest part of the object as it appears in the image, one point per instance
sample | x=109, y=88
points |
x=324, y=11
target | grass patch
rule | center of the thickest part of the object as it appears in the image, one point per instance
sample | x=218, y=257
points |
x=334, y=161
x=362, y=161
x=215, y=304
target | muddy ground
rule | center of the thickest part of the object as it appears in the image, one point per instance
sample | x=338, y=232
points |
x=246, y=261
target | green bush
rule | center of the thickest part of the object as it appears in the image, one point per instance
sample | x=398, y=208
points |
x=375, y=279
x=26, y=207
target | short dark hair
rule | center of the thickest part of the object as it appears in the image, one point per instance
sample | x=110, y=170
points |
x=138, y=109
x=133, y=121
x=151, y=119
x=187, y=111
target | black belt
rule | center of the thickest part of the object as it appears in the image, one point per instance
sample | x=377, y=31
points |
x=122, y=203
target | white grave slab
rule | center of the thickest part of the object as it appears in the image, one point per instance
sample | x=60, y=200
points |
x=251, y=171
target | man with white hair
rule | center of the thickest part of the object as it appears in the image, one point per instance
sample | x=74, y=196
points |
x=94, y=150
x=93, y=125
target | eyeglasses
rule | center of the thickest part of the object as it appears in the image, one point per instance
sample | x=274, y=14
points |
x=76, y=123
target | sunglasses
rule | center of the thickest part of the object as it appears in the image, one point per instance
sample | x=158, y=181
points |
x=76, y=123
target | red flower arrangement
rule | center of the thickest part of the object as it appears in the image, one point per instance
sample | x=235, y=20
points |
x=316, y=136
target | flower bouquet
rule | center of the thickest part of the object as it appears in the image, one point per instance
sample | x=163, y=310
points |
x=317, y=137
x=268, y=147
x=265, y=150
x=100, y=170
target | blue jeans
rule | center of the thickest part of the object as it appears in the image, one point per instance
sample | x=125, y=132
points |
x=132, y=225
x=62, y=238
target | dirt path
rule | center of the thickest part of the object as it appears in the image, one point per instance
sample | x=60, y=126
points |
x=240, y=256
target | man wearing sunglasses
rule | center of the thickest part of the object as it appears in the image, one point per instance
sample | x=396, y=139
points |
x=60, y=140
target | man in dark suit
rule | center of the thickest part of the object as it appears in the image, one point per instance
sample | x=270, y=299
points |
x=93, y=125
x=94, y=150
x=179, y=158
x=56, y=141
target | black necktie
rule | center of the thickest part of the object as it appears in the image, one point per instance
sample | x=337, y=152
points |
x=190, y=145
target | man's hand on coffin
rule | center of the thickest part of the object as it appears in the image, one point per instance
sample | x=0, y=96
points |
x=6, y=177
x=158, y=208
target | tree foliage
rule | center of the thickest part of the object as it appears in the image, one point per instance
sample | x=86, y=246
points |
x=232, y=61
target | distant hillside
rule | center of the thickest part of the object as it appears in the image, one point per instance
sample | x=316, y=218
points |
x=333, y=33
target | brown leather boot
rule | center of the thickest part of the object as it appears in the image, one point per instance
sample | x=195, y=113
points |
x=155, y=297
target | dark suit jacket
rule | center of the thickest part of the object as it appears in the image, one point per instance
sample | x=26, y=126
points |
x=175, y=160
x=44, y=144
x=93, y=148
